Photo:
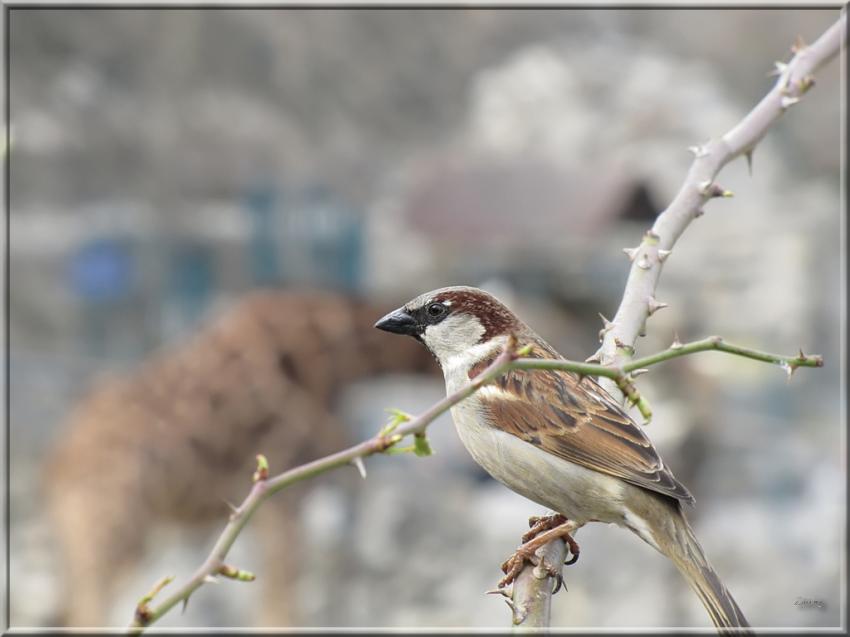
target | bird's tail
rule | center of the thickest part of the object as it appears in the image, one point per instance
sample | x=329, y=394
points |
x=687, y=554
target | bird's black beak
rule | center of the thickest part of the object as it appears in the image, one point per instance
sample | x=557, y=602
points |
x=399, y=322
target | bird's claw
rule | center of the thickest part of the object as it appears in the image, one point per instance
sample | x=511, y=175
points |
x=572, y=545
x=543, y=529
x=559, y=582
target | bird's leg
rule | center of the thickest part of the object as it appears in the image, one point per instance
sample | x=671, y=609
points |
x=550, y=528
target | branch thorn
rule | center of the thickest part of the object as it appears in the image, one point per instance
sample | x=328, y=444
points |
x=639, y=372
x=698, y=151
x=234, y=511
x=360, y=466
x=607, y=326
x=655, y=305
x=676, y=344
x=749, y=157
x=788, y=100
x=211, y=579
x=778, y=69
x=631, y=253
x=593, y=358
x=663, y=254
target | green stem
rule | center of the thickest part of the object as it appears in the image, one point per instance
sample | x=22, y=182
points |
x=707, y=344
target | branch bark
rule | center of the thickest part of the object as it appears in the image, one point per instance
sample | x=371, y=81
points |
x=638, y=302
x=530, y=599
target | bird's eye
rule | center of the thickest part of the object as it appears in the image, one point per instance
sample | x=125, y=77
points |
x=436, y=310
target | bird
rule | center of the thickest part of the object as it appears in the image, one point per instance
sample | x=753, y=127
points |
x=558, y=439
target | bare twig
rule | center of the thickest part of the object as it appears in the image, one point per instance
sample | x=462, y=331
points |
x=638, y=302
x=387, y=439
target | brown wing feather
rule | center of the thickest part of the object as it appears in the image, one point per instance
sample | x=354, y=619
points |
x=579, y=422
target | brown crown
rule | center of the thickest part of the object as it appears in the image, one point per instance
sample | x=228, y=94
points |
x=493, y=315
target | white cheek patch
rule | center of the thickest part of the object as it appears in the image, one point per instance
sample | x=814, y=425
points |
x=453, y=336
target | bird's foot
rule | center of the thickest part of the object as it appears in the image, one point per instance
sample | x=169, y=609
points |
x=539, y=523
x=543, y=530
x=542, y=523
x=512, y=566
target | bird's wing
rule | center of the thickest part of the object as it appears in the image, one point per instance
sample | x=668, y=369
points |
x=577, y=420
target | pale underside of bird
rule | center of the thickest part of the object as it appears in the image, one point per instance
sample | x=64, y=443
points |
x=557, y=439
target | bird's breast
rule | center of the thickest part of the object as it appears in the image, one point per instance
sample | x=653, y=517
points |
x=577, y=492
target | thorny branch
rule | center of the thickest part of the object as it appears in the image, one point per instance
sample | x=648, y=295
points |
x=638, y=303
x=387, y=439
x=532, y=594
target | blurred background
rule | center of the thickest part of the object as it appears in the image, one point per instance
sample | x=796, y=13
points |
x=181, y=178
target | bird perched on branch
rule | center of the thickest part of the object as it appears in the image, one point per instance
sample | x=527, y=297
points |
x=557, y=439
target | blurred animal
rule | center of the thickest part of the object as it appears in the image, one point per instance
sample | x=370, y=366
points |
x=177, y=439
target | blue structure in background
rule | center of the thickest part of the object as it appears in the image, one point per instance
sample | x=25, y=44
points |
x=261, y=203
x=103, y=270
x=316, y=241
x=335, y=240
x=191, y=280
x=102, y=273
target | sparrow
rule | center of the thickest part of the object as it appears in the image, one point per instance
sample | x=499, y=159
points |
x=558, y=439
